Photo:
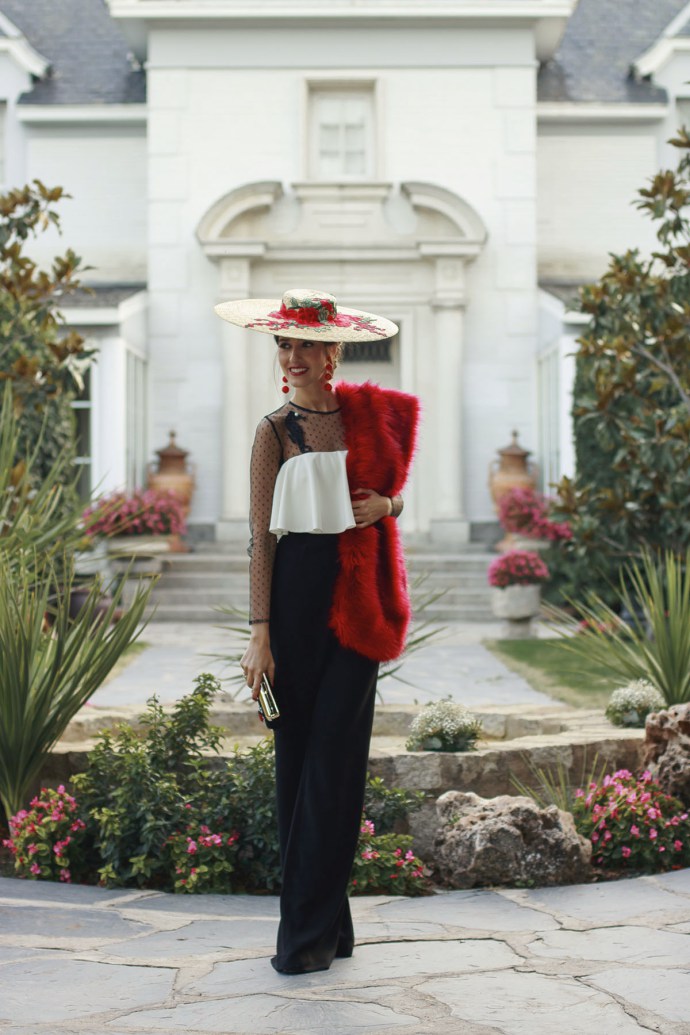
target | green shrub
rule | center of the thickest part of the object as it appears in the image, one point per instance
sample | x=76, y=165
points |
x=631, y=401
x=159, y=811
x=388, y=807
x=202, y=859
x=386, y=865
x=38, y=357
x=136, y=788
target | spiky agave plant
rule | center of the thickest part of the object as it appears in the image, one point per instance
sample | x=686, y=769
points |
x=654, y=643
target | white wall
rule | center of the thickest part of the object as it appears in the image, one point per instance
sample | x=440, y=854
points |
x=104, y=169
x=588, y=177
x=470, y=130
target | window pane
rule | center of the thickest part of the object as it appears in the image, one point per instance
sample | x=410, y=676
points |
x=329, y=137
x=354, y=137
x=355, y=163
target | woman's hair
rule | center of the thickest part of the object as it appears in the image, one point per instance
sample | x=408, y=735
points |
x=335, y=349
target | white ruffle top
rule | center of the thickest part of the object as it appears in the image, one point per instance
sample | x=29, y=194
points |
x=311, y=494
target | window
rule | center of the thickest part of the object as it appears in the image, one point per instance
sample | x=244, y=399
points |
x=378, y=351
x=341, y=132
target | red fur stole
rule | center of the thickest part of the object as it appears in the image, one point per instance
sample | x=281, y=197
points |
x=371, y=606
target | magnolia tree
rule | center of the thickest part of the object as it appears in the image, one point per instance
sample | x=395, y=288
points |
x=37, y=356
x=632, y=398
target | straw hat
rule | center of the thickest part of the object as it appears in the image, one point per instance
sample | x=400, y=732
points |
x=308, y=315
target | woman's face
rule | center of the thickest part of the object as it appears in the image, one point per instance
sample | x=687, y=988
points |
x=302, y=362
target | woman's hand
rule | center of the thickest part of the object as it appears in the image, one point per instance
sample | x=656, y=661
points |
x=258, y=659
x=370, y=510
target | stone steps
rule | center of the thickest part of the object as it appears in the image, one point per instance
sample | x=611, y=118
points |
x=193, y=585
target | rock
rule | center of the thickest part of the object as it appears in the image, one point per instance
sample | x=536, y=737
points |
x=666, y=750
x=507, y=840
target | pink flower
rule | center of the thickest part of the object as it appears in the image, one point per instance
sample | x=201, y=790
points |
x=625, y=851
x=635, y=831
x=678, y=846
x=191, y=847
x=653, y=813
x=652, y=834
x=35, y=868
x=65, y=876
x=367, y=827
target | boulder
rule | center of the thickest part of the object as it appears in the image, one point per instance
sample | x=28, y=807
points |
x=666, y=750
x=507, y=840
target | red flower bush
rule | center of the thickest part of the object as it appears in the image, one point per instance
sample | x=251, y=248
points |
x=526, y=512
x=633, y=824
x=517, y=568
x=142, y=512
x=47, y=840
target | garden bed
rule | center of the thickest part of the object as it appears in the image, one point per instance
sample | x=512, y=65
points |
x=518, y=741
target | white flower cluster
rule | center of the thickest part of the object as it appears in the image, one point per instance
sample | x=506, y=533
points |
x=630, y=705
x=443, y=726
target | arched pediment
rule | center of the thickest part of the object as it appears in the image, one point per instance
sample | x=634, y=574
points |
x=332, y=220
x=218, y=223
x=443, y=213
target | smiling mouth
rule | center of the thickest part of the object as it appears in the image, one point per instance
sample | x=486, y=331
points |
x=296, y=371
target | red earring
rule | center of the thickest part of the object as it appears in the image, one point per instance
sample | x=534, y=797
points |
x=327, y=386
x=285, y=387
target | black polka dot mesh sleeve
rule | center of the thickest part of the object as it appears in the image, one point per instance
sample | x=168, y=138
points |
x=265, y=464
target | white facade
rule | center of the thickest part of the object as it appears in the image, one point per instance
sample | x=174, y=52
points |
x=395, y=157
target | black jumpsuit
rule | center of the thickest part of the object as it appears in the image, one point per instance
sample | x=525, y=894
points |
x=326, y=695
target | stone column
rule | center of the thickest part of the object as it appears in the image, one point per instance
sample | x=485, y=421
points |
x=233, y=522
x=448, y=522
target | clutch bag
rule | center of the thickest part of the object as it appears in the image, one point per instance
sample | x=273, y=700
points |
x=268, y=708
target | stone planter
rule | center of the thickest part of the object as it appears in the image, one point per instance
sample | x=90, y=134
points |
x=92, y=562
x=131, y=545
x=516, y=603
x=525, y=542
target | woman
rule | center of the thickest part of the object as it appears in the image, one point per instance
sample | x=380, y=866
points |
x=328, y=598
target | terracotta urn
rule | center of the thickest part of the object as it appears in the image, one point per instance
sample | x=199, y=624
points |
x=512, y=471
x=173, y=474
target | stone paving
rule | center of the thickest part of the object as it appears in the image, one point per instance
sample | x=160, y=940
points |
x=455, y=664
x=608, y=958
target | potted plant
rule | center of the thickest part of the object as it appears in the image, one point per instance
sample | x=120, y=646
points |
x=524, y=515
x=443, y=726
x=516, y=578
x=145, y=521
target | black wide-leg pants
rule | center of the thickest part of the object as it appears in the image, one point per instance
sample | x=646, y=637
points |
x=326, y=696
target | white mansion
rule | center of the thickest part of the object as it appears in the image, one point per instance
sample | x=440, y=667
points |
x=456, y=165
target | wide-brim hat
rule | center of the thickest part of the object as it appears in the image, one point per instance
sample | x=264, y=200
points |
x=309, y=315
